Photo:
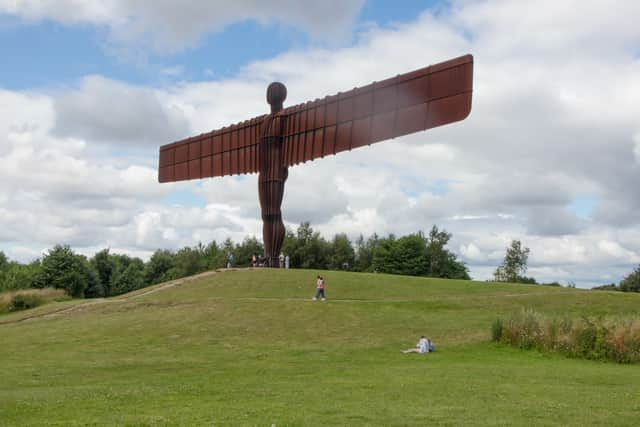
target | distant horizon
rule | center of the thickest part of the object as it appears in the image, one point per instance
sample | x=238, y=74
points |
x=146, y=256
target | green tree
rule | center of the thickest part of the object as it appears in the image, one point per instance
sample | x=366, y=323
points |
x=128, y=278
x=414, y=255
x=631, y=283
x=110, y=272
x=190, y=261
x=63, y=269
x=160, y=267
x=306, y=248
x=436, y=255
x=341, y=253
x=514, y=265
x=289, y=247
x=104, y=265
x=440, y=261
x=454, y=269
x=244, y=252
x=409, y=256
x=94, y=287
x=364, y=252
x=4, y=261
x=405, y=255
x=215, y=256
x=382, y=257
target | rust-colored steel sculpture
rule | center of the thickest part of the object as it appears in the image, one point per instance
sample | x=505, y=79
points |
x=269, y=144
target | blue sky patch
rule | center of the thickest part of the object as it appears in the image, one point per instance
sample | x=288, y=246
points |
x=583, y=205
x=184, y=197
x=48, y=54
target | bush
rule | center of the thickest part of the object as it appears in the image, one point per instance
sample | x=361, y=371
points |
x=496, y=330
x=596, y=339
x=25, y=301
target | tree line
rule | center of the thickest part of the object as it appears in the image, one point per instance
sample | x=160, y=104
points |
x=631, y=283
x=109, y=274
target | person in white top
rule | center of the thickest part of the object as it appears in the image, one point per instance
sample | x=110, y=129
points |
x=319, y=289
x=422, y=346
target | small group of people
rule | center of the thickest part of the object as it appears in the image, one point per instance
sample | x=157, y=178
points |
x=261, y=261
x=283, y=260
x=424, y=346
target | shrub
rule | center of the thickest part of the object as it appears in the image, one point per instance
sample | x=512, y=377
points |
x=16, y=276
x=25, y=301
x=616, y=340
x=631, y=283
x=496, y=330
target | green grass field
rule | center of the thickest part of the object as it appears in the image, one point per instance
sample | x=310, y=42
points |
x=251, y=348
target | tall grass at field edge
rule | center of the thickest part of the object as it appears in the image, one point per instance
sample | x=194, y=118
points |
x=613, y=339
x=29, y=298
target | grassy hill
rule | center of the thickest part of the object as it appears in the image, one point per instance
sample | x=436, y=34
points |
x=250, y=347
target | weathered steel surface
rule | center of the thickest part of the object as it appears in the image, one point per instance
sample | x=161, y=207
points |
x=228, y=151
x=273, y=174
x=419, y=100
x=422, y=99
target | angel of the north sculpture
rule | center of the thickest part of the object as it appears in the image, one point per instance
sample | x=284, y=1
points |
x=422, y=99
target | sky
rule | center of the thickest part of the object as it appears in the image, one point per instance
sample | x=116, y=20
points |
x=550, y=154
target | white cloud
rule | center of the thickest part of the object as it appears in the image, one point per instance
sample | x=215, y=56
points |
x=617, y=252
x=472, y=252
x=170, y=26
x=105, y=110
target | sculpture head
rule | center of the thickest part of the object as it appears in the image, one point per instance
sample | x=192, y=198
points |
x=276, y=94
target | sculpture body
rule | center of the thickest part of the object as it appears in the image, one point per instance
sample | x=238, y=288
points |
x=419, y=100
x=272, y=174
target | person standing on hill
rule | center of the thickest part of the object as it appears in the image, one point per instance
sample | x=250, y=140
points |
x=319, y=289
x=229, y=260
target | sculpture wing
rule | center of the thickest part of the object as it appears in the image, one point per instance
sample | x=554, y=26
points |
x=231, y=150
x=419, y=100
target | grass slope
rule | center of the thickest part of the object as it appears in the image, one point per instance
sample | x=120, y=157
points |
x=250, y=347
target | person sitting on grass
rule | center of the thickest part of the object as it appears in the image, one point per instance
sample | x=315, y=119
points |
x=422, y=347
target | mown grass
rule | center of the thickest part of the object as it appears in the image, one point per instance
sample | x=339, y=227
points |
x=251, y=348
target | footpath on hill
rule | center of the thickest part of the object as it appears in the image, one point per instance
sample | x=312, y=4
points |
x=121, y=298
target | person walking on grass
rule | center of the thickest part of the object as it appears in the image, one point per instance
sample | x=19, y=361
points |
x=319, y=289
x=422, y=347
